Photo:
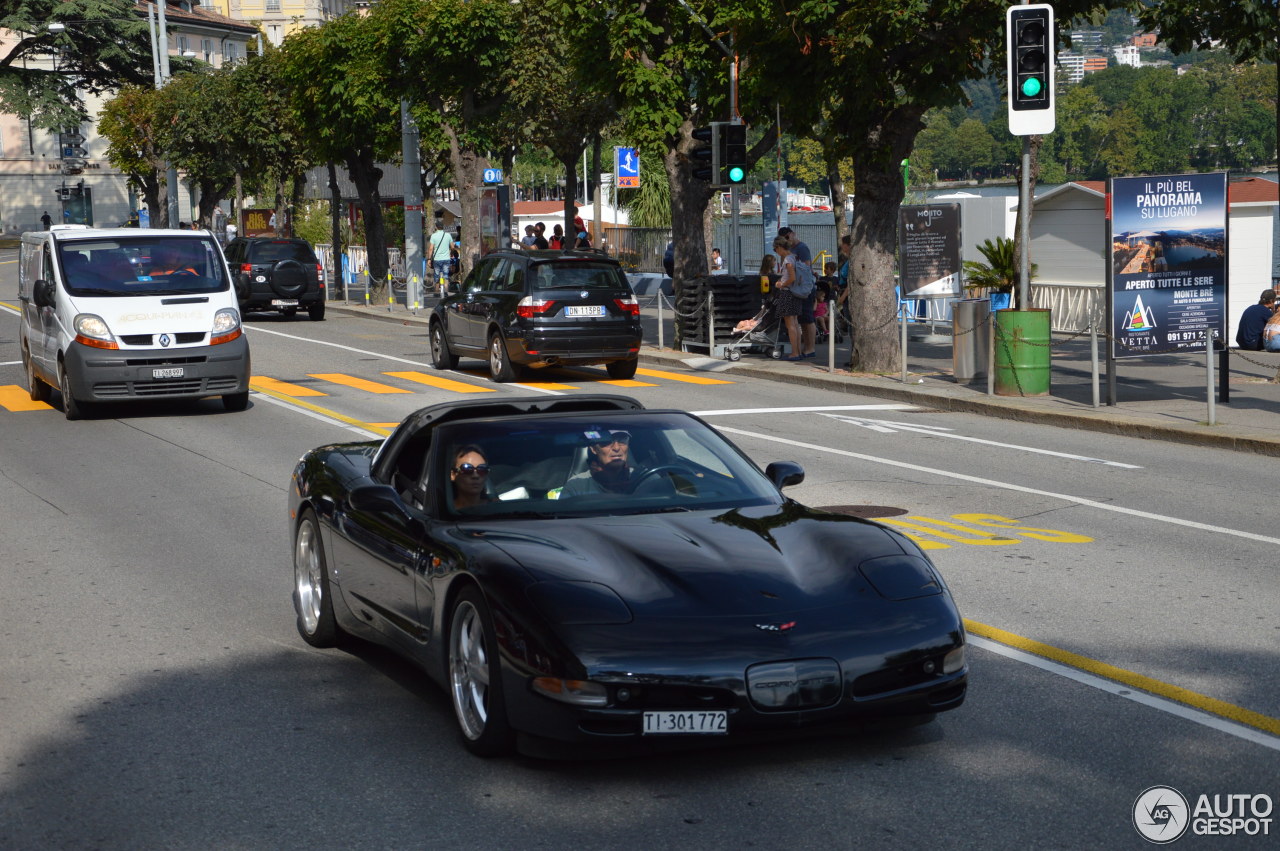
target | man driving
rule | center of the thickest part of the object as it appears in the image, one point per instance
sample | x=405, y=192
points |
x=608, y=468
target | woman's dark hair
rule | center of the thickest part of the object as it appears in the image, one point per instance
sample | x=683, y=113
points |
x=470, y=447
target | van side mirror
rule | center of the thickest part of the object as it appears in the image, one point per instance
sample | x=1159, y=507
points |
x=42, y=293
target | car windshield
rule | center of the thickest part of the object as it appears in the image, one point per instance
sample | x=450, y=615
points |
x=578, y=275
x=579, y=466
x=277, y=250
x=144, y=265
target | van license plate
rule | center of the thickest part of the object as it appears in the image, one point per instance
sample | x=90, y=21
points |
x=585, y=310
x=284, y=302
x=167, y=372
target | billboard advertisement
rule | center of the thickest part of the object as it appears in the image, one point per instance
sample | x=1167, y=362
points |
x=1168, y=263
x=929, y=250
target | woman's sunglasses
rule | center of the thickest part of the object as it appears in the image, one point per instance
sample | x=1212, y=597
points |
x=467, y=469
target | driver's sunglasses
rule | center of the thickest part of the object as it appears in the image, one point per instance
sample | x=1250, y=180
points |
x=622, y=437
x=469, y=469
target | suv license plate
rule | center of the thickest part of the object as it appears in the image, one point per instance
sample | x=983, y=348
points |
x=284, y=302
x=585, y=310
x=715, y=723
x=167, y=372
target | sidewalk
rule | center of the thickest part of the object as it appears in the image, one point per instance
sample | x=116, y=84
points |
x=1162, y=397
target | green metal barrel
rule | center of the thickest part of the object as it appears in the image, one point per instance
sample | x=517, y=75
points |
x=1022, y=352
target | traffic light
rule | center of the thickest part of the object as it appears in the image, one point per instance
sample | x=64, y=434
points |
x=705, y=155
x=733, y=154
x=1029, y=40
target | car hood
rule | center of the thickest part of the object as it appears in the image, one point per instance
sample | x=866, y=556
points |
x=756, y=561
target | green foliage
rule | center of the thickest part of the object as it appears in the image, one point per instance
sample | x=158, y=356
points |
x=650, y=205
x=1002, y=270
x=311, y=222
x=1249, y=29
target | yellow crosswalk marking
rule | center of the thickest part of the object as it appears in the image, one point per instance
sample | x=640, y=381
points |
x=442, y=383
x=628, y=382
x=358, y=383
x=261, y=382
x=15, y=398
x=679, y=376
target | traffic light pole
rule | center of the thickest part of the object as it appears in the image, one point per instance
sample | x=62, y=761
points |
x=1024, y=227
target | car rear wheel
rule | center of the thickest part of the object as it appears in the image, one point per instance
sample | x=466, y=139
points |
x=501, y=369
x=315, y=311
x=441, y=357
x=71, y=407
x=475, y=677
x=623, y=369
x=36, y=389
x=311, y=599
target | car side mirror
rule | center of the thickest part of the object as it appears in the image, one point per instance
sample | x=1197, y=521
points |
x=784, y=474
x=42, y=293
x=376, y=498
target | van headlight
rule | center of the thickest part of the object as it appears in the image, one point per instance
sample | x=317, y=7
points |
x=92, y=331
x=226, y=326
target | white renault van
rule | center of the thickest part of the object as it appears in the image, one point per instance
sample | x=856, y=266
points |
x=120, y=314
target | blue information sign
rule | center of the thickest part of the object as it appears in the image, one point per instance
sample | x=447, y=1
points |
x=492, y=175
x=626, y=168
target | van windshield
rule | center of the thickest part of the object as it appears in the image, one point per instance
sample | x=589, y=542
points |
x=143, y=265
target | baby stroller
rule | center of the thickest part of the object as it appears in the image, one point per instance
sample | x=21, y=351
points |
x=761, y=333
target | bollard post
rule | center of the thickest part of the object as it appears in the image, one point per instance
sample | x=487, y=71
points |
x=991, y=353
x=1093, y=359
x=711, y=323
x=660, y=297
x=1208, y=364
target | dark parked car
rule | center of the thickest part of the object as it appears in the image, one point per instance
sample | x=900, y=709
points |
x=540, y=308
x=581, y=570
x=274, y=273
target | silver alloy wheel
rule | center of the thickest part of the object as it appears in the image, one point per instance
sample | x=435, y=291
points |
x=307, y=567
x=469, y=671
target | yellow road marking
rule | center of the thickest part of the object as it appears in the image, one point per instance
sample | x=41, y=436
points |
x=547, y=385
x=261, y=382
x=442, y=383
x=627, y=382
x=15, y=398
x=387, y=426
x=1204, y=703
x=357, y=383
x=377, y=428
x=677, y=376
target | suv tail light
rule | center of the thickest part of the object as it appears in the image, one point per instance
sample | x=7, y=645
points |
x=529, y=307
x=246, y=267
x=628, y=305
x=319, y=273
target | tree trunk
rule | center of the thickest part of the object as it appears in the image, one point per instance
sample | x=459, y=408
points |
x=873, y=304
x=689, y=201
x=366, y=175
x=467, y=167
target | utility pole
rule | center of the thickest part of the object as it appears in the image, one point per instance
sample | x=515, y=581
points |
x=411, y=175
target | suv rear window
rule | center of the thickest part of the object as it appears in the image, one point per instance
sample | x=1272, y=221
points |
x=578, y=274
x=274, y=252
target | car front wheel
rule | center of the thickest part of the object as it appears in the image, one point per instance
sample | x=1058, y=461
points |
x=311, y=596
x=73, y=408
x=475, y=677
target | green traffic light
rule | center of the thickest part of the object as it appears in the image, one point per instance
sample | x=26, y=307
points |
x=736, y=174
x=1031, y=87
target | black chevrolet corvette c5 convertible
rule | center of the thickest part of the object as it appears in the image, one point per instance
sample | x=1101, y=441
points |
x=582, y=570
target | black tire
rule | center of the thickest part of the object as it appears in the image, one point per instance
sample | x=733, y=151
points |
x=312, y=601
x=315, y=311
x=242, y=287
x=441, y=357
x=475, y=677
x=36, y=389
x=501, y=369
x=289, y=278
x=235, y=401
x=71, y=407
x=621, y=370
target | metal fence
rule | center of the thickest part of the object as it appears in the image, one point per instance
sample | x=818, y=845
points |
x=641, y=249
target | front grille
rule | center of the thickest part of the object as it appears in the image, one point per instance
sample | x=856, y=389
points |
x=675, y=697
x=794, y=684
x=166, y=387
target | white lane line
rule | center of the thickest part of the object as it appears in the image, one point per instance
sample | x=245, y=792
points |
x=10, y=362
x=887, y=406
x=389, y=357
x=1128, y=693
x=977, y=480
x=888, y=427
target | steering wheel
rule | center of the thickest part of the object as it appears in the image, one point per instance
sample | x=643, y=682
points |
x=658, y=470
x=183, y=273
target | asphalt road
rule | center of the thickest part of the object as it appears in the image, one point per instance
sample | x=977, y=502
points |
x=154, y=692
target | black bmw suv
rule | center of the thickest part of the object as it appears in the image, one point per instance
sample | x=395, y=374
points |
x=275, y=273
x=540, y=308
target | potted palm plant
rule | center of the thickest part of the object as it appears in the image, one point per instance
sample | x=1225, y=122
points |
x=999, y=275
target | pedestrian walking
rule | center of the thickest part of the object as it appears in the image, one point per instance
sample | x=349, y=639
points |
x=441, y=251
x=46, y=220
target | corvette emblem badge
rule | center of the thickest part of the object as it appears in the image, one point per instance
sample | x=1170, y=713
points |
x=776, y=627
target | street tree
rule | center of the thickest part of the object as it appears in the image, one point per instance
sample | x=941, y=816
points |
x=341, y=90
x=137, y=125
x=1249, y=29
x=105, y=45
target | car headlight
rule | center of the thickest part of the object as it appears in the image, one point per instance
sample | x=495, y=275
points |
x=576, y=692
x=953, y=661
x=92, y=331
x=226, y=326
